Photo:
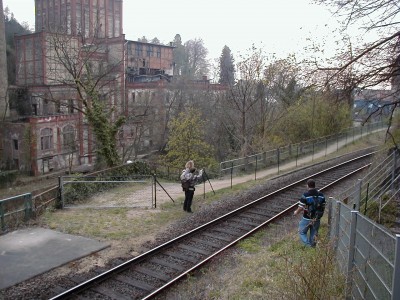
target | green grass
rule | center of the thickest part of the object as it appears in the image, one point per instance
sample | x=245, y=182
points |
x=254, y=270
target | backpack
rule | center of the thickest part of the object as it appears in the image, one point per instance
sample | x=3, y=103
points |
x=315, y=207
x=185, y=184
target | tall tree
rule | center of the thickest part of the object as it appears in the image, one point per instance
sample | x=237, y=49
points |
x=241, y=100
x=179, y=55
x=196, y=63
x=187, y=141
x=12, y=27
x=226, y=67
x=91, y=75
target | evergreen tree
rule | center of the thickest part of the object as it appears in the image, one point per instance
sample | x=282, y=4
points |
x=179, y=55
x=155, y=41
x=143, y=39
x=12, y=27
x=186, y=141
x=226, y=67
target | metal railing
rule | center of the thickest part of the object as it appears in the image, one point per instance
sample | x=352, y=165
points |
x=294, y=152
x=15, y=209
x=382, y=180
x=367, y=252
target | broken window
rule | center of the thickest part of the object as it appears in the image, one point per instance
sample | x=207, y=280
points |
x=15, y=142
x=34, y=109
x=71, y=106
x=46, y=139
x=47, y=165
x=69, y=137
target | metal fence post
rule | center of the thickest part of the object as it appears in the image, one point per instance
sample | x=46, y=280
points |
x=326, y=146
x=3, y=225
x=357, y=200
x=255, y=171
x=350, y=258
x=313, y=150
x=28, y=206
x=366, y=200
x=394, y=169
x=337, y=142
x=396, y=270
x=232, y=174
x=277, y=156
x=61, y=189
x=155, y=190
x=337, y=211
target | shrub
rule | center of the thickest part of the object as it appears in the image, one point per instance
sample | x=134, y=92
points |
x=7, y=178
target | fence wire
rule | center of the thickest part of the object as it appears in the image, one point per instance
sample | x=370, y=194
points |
x=366, y=251
x=107, y=191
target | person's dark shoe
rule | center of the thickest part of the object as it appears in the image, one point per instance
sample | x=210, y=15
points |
x=189, y=211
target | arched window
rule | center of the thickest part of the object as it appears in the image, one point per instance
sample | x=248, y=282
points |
x=46, y=139
x=69, y=137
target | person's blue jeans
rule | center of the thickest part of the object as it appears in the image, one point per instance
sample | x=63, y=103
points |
x=308, y=229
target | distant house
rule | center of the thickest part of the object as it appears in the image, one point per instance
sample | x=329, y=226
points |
x=375, y=104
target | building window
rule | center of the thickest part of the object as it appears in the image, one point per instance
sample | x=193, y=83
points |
x=69, y=137
x=46, y=139
x=15, y=142
x=45, y=107
x=47, y=165
x=71, y=106
x=150, y=51
x=139, y=50
x=34, y=109
x=16, y=163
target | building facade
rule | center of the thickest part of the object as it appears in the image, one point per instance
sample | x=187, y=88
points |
x=86, y=18
x=3, y=63
x=47, y=129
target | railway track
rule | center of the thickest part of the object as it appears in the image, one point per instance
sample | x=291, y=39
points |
x=148, y=274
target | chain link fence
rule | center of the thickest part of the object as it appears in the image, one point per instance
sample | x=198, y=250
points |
x=367, y=252
x=107, y=191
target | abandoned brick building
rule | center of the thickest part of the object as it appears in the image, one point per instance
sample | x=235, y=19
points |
x=45, y=130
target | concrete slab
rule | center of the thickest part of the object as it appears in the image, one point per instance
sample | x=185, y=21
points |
x=30, y=252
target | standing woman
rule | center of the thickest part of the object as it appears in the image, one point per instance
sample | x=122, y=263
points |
x=191, y=179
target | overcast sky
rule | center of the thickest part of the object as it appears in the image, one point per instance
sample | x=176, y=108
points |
x=278, y=26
